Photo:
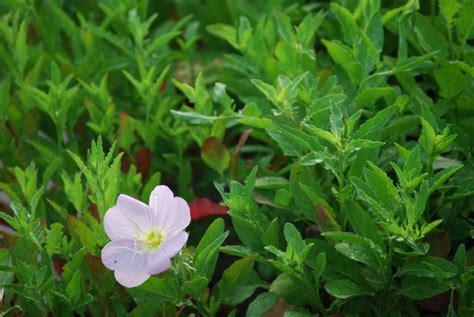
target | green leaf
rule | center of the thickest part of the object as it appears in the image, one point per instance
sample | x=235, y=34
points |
x=194, y=117
x=429, y=38
x=359, y=249
x=375, y=123
x=413, y=164
x=282, y=197
x=4, y=97
x=362, y=223
x=301, y=176
x=196, y=287
x=423, y=267
x=309, y=26
x=54, y=237
x=448, y=10
x=74, y=265
x=418, y=288
x=153, y=181
x=21, y=47
x=225, y=32
x=450, y=79
x=320, y=267
x=83, y=233
x=290, y=289
x=427, y=228
x=420, y=204
x=161, y=41
x=344, y=289
x=271, y=235
x=428, y=136
x=320, y=105
x=382, y=186
x=74, y=191
x=356, y=145
x=5, y=261
x=465, y=23
x=369, y=96
x=271, y=182
x=460, y=259
x=336, y=120
x=294, y=239
x=74, y=288
x=267, y=90
x=298, y=312
x=207, y=251
x=289, y=146
x=123, y=43
x=261, y=304
x=244, y=211
x=238, y=282
x=347, y=22
x=343, y=56
x=159, y=288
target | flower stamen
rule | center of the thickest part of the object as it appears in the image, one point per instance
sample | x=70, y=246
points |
x=152, y=239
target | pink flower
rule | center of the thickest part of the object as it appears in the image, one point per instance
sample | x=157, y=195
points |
x=144, y=238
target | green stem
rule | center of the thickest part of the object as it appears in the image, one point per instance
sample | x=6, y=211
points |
x=58, y=132
x=315, y=293
x=320, y=305
x=430, y=165
x=342, y=184
x=451, y=300
x=388, y=273
x=190, y=65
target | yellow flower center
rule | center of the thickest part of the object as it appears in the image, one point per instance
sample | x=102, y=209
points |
x=152, y=239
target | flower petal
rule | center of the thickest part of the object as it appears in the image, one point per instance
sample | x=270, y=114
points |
x=128, y=263
x=172, y=246
x=160, y=199
x=131, y=279
x=122, y=255
x=127, y=219
x=157, y=262
x=176, y=218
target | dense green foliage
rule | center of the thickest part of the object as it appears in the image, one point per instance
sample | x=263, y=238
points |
x=339, y=134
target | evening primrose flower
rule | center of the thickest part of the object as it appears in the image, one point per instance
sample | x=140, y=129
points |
x=144, y=237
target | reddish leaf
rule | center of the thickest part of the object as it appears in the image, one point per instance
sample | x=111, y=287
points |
x=126, y=131
x=437, y=303
x=278, y=309
x=101, y=275
x=95, y=263
x=215, y=154
x=94, y=211
x=58, y=266
x=125, y=162
x=12, y=132
x=143, y=159
x=163, y=86
x=325, y=220
x=440, y=244
x=202, y=207
x=235, y=157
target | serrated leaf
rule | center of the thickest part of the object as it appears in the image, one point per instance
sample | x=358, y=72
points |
x=53, y=239
x=378, y=121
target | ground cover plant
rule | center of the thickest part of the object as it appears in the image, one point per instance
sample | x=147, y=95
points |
x=236, y=158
